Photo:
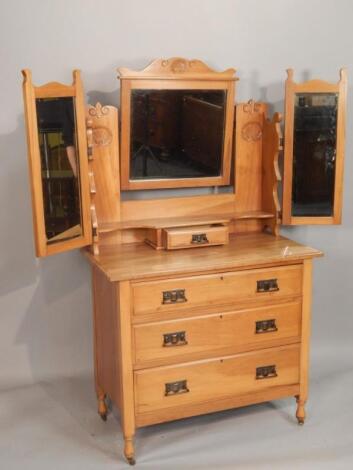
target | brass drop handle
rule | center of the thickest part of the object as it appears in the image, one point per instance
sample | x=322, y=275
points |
x=199, y=239
x=174, y=296
x=266, y=372
x=176, y=388
x=266, y=326
x=174, y=339
x=267, y=285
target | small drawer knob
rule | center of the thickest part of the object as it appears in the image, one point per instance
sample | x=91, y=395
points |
x=176, y=388
x=175, y=339
x=199, y=239
x=174, y=296
x=267, y=285
x=266, y=326
x=266, y=372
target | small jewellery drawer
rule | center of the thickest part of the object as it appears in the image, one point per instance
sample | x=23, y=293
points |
x=243, y=330
x=214, y=379
x=216, y=289
x=195, y=236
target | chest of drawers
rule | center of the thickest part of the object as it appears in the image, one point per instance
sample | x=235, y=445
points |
x=175, y=339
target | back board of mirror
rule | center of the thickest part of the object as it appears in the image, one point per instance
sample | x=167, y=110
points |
x=314, y=151
x=58, y=165
x=177, y=121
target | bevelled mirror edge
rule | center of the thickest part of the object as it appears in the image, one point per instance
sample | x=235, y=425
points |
x=56, y=92
x=175, y=73
x=316, y=90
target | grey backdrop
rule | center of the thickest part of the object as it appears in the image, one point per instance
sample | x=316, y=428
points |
x=45, y=305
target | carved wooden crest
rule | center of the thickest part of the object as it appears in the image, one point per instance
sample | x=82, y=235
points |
x=252, y=107
x=251, y=131
x=102, y=136
x=98, y=110
x=177, y=68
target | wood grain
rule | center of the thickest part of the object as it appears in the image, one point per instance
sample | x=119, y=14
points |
x=210, y=334
x=133, y=262
x=216, y=289
x=214, y=379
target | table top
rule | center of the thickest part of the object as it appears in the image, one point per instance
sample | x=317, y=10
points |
x=141, y=261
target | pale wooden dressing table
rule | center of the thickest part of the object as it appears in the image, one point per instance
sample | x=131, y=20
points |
x=181, y=328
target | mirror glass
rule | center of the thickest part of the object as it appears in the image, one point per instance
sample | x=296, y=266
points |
x=314, y=154
x=59, y=166
x=176, y=133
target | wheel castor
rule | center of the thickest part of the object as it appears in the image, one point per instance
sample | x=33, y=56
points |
x=131, y=461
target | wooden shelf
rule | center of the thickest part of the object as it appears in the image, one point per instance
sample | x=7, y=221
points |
x=182, y=221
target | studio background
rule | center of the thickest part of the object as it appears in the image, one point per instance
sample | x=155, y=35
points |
x=45, y=305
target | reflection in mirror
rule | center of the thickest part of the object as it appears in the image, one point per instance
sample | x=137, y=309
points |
x=176, y=133
x=314, y=154
x=59, y=168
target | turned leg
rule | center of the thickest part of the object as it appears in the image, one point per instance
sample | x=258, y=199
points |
x=102, y=406
x=129, y=450
x=300, y=414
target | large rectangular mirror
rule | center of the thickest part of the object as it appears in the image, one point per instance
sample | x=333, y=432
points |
x=176, y=133
x=58, y=164
x=314, y=140
x=177, y=123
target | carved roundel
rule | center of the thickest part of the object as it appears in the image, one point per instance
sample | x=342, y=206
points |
x=251, y=131
x=102, y=136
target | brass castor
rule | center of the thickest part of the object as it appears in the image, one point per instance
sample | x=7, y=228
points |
x=300, y=421
x=103, y=416
x=131, y=460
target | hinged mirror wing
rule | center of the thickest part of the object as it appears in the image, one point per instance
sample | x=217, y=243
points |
x=315, y=115
x=57, y=157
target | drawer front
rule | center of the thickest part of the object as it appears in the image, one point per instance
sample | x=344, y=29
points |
x=208, y=380
x=193, y=237
x=244, y=330
x=216, y=289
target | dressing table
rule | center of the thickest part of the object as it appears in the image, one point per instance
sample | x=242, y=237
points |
x=199, y=304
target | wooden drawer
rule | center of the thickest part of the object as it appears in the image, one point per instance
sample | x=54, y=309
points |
x=195, y=236
x=235, y=331
x=216, y=289
x=210, y=380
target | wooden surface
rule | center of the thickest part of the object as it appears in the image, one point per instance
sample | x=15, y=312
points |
x=54, y=90
x=216, y=289
x=271, y=175
x=177, y=67
x=165, y=222
x=305, y=340
x=212, y=335
x=313, y=86
x=248, y=150
x=250, y=398
x=213, y=379
x=106, y=337
x=102, y=126
x=182, y=237
x=133, y=262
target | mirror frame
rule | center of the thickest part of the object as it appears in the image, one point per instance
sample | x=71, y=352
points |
x=167, y=74
x=313, y=86
x=55, y=90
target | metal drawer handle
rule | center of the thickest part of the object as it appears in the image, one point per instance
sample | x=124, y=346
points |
x=176, y=388
x=174, y=296
x=266, y=372
x=199, y=239
x=174, y=339
x=266, y=326
x=267, y=285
